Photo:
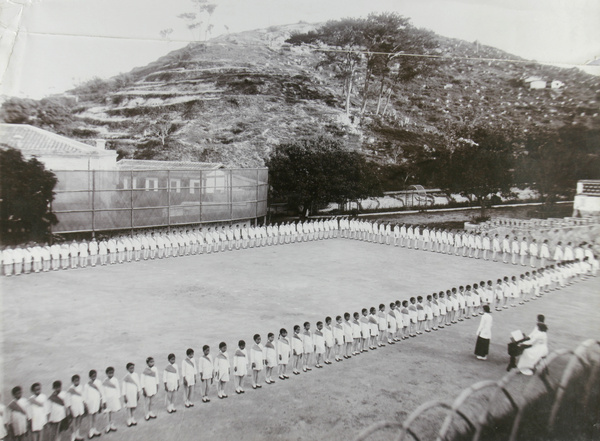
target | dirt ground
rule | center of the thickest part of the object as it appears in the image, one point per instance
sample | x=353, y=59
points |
x=66, y=322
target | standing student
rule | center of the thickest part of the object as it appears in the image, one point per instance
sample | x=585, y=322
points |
x=257, y=360
x=442, y=309
x=413, y=314
x=338, y=336
x=420, y=315
x=240, y=365
x=112, y=397
x=533, y=253
x=505, y=248
x=382, y=324
x=308, y=347
x=93, y=400
x=189, y=371
x=222, y=370
x=484, y=334
x=37, y=412
x=17, y=415
x=544, y=253
x=435, y=310
x=356, y=334
x=495, y=247
x=74, y=401
x=270, y=358
x=149, y=383
x=391, y=324
x=329, y=341
x=171, y=382
x=283, y=353
x=348, y=335
x=297, y=347
x=57, y=411
x=365, y=330
x=427, y=306
x=319, y=345
x=206, y=370
x=515, y=249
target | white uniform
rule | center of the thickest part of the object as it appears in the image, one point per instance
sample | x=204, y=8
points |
x=74, y=400
x=131, y=388
x=112, y=394
x=283, y=350
x=189, y=371
x=149, y=381
x=37, y=412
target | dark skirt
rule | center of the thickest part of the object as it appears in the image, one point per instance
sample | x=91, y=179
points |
x=482, y=347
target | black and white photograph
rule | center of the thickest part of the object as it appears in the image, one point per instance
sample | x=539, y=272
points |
x=292, y=220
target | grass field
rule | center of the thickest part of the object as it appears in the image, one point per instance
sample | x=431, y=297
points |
x=66, y=322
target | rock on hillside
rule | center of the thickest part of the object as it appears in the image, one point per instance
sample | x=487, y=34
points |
x=238, y=96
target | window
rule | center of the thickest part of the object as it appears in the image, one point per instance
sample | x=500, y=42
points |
x=151, y=184
x=194, y=185
x=175, y=185
x=126, y=183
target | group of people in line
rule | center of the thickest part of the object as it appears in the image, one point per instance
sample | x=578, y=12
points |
x=332, y=340
x=182, y=242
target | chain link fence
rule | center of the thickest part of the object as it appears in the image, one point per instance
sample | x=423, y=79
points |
x=100, y=200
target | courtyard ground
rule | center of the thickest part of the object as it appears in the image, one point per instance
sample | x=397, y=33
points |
x=66, y=322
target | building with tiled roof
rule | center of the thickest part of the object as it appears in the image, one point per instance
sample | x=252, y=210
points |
x=145, y=164
x=55, y=151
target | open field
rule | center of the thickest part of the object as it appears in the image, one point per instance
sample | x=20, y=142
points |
x=66, y=322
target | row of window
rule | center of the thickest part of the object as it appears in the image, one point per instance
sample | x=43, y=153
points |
x=211, y=184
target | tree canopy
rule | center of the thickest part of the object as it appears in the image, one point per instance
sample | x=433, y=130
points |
x=372, y=50
x=26, y=192
x=478, y=164
x=314, y=172
x=553, y=161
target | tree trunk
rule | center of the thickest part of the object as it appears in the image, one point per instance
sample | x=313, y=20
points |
x=380, y=97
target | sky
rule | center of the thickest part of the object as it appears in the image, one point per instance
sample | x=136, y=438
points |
x=49, y=46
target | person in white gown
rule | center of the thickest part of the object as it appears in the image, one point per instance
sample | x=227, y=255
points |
x=537, y=348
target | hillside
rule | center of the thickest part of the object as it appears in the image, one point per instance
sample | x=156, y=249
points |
x=237, y=97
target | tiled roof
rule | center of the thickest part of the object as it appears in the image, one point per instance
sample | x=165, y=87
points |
x=139, y=164
x=35, y=141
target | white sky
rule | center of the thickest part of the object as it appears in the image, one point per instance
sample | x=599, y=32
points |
x=48, y=46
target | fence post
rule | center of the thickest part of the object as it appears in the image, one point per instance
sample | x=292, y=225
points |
x=93, y=203
x=200, y=193
x=131, y=199
x=169, y=199
x=230, y=195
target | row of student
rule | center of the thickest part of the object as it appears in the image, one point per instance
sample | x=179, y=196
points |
x=349, y=335
x=159, y=244
x=472, y=244
x=162, y=244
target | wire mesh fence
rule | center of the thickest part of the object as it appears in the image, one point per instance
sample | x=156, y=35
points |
x=99, y=200
x=560, y=401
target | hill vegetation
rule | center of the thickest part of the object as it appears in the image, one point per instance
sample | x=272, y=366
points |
x=237, y=97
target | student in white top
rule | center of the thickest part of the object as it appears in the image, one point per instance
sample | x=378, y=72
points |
x=93, y=399
x=484, y=334
x=17, y=415
x=57, y=411
x=188, y=374
x=112, y=397
x=171, y=382
x=37, y=412
x=76, y=407
x=149, y=383
x=257, y=360
x=270, y=358
x=131, y=389
x=283, y=354
x=206, y=371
